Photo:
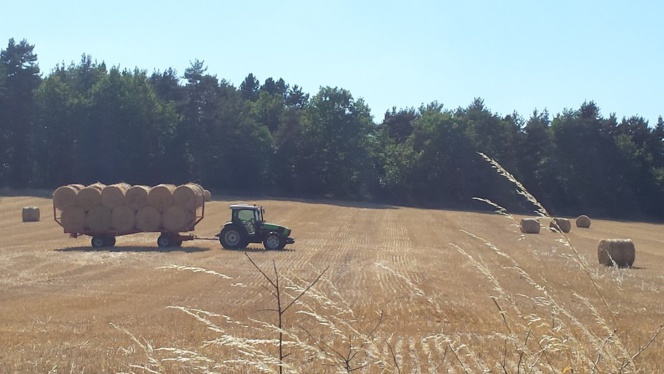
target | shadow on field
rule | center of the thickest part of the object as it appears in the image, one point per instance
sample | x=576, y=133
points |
x=256, y=249
x=134, y=249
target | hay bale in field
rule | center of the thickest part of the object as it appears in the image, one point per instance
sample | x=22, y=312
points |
x=561, y=224
x=90, y=196
x=137, y=197
x=99, y=219
x=148, y=219
x=161, y=196
x=207, y=196
x=530, y=226
x=74, y=219
x=583, y=222
x=178, y=219
x=618, y=251
x=189, y=196
x=31, y=214
x=114, y=195
x=65, y=196
x=123, y=219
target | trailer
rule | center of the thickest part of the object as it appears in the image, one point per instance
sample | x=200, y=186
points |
x=166, y=238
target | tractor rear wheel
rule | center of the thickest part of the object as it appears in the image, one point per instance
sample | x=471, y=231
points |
x=232, y=237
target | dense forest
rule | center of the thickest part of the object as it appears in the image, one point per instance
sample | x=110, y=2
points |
x=88, y=122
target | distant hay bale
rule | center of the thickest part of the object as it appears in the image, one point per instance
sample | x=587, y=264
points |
x=207, y=196
x=177, y=219
x=530, y=226
x=189, y=196
x=123, y=219
x=562, y=224
x=31, y=214
x=583, y=222
x=148, y=219
x=99, y=219
x=114, y=195
x=65, y=196
x=621, y=251
x=161, y=196
x=73, y=219
x=136, y=197
x=90, y=196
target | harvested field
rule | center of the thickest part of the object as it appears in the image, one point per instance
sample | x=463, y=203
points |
x=68, y=308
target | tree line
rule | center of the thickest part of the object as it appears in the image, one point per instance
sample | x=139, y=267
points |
x=87, y=122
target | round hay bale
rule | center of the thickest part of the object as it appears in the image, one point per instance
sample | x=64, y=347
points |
x=74, y=219
x=530, y=226
x=161, y=196
x=137, y=197
x=90, y=196
x=114, y=195
x=583, y=222
x=65, y=196
x=148, y=219
x=207, y=196
x=31, y=214
x=177, y=219
x=99, y=219
x=618, y=251
x=560, y=224
x=189, y=196
x=123, y=219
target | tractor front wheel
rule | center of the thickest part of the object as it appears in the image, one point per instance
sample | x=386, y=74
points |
x=274, y=241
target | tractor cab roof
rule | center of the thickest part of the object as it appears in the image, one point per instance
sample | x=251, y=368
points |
x=244, y=206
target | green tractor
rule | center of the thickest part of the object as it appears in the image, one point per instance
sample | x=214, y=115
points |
x=248, y=226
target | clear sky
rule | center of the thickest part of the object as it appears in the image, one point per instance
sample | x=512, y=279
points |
x=516, y=55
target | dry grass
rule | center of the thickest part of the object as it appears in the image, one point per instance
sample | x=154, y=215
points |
x=407, y=290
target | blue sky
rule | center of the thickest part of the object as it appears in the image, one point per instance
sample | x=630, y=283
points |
x=516, y=55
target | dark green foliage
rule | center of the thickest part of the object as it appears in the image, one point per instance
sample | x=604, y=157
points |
x=84, y=123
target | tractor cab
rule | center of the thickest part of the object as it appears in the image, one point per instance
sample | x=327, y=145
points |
x=247, y=225
x=248, y=216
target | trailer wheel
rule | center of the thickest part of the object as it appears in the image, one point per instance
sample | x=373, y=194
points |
x=98, y=241
x=165, y=241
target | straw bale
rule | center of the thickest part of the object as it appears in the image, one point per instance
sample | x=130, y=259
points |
x=123, y=219
x=177, y=219
x=621, y=251
x=65, y=196
x=161, y=196
x=31, y=214
x=583, y=221
x=99, y=219
x=148, y=219
x=73, y=219
x=530, y=226
x=114, y=195
x=561, y=224
x=207, y=195
x=189, y=196
x=137, y=197
x=90, y=196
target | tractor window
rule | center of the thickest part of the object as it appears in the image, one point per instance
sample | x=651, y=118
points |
x=247, y=216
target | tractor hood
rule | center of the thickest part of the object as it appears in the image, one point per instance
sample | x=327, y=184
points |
x=285, y=231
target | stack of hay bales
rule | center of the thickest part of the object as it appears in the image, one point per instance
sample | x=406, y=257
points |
x=530, y=226
x=618, y=251
x=122, y=208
